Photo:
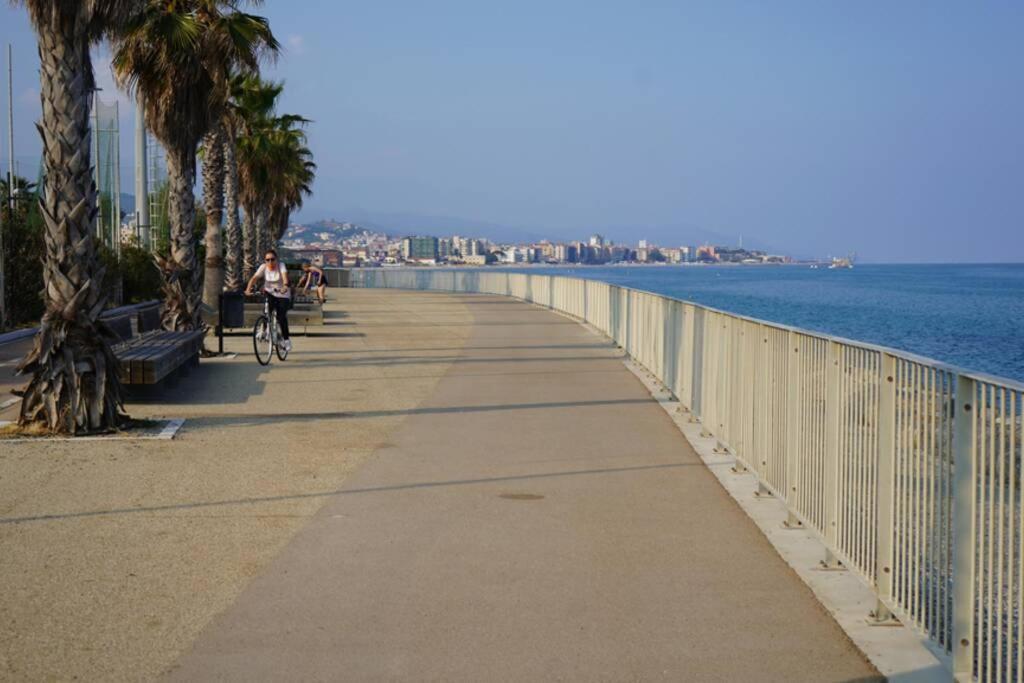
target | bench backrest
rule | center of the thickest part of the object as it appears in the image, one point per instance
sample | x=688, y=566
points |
x=121, y=326
x=149, y=319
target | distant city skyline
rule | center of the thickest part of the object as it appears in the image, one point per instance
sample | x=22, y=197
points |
x=330, y=243
x=892, y=130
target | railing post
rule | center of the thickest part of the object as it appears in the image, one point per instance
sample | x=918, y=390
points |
x=793, y=380
x=686, y=359
x=833, y=416
x=884, y=494
x=965, y=425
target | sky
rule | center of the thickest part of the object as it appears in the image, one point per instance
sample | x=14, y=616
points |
x=891, y=129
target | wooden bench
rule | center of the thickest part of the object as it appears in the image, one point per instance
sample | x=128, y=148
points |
x=303, y=314
x=148, y=354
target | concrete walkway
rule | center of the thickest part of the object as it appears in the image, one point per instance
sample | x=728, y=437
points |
x=536, y=516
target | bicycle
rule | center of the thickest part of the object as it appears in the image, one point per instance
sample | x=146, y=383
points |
x=266, y=335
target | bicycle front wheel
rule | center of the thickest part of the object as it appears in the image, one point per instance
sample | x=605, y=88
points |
x=262, y=341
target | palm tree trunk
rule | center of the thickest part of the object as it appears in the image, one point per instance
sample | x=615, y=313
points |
x=182, y=284
x=262, y=243
x=232, y=226
x=75, y=385
x=280, y=226
x=250, y=239
x=213, y=197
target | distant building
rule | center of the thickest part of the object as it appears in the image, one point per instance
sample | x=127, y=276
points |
x=649, y=255
x=475, y=260
x=419, y=248
x=596, y=241
x=319, y=257
x=707, y=253
x=642, y=244
x=566, y=253
x=618, y=253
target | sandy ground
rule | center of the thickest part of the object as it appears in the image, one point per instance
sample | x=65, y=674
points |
x=142, y=543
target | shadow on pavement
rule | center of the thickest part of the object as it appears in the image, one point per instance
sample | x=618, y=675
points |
x=342, y=492
x=210, y=384
x=269, y=418
x=458, y=360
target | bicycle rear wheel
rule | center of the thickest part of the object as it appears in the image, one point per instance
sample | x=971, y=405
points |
x=262, y=342
x=282, y=352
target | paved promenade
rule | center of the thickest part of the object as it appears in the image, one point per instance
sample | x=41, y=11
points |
x=438, y=487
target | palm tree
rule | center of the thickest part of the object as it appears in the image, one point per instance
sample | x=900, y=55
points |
x=23, y=188
x=296, y=172
x=74, y=385
x=277, y=171
x=256, y=169
x=177, y=54
x=253, y=39
x=251, y=105
x=213, y=199
x=232, y=223
x=251, y=99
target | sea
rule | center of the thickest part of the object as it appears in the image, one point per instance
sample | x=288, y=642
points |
x=971, y=316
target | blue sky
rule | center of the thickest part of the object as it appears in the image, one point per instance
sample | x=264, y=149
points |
x=893, y=129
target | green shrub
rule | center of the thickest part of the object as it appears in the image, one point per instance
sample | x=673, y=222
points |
x=23, y=256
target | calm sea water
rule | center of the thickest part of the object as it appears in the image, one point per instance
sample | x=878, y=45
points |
x=967, y=315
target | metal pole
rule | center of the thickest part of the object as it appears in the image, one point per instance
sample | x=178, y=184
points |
x=965, y=437
x=10, y=125
x=141, y=174
x=885, y=520
x=792, y=425
x=117, y=179
x=10, y=181
x=833, y=416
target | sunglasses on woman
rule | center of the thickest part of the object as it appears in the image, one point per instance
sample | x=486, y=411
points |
x=270, y=260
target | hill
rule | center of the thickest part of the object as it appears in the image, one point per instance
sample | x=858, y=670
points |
x=328, y=234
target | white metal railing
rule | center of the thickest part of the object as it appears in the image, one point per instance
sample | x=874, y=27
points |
x=908, y=469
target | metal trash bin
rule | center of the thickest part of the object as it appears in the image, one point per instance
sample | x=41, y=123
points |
x=232, y=309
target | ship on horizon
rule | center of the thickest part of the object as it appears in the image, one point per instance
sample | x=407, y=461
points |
x=839, y=262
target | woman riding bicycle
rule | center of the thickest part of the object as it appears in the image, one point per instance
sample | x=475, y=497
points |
x=275, y=286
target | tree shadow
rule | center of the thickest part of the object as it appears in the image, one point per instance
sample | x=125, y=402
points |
x=342, y=492
x=399, y=349
x=251, y=419
x=212, y=383
x=315, y=334
x=392, y=361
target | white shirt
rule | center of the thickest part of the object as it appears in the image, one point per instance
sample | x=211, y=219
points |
x=273, y=279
